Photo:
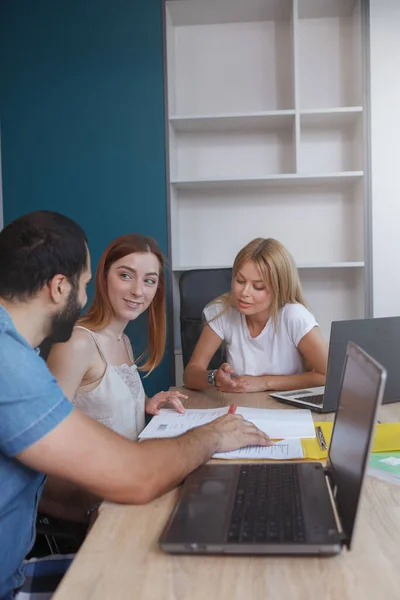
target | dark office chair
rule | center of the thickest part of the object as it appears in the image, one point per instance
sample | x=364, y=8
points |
x=197, y=288
x=57, y=536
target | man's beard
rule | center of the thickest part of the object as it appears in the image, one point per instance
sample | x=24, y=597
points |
x=62, y=324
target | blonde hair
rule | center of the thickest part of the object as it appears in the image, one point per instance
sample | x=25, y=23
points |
x=276, y=265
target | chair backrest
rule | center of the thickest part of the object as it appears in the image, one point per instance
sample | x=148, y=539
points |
x=197, y=288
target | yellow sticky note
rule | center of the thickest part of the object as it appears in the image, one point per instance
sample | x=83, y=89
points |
x=311, y=447
x=387, y=439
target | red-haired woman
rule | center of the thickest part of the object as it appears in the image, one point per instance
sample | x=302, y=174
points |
x=96, y=368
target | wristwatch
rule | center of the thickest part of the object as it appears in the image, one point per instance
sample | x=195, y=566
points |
x=211, y=377
x=93, y=508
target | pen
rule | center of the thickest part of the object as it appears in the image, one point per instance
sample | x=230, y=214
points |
x=232, y=409
x=321, y=438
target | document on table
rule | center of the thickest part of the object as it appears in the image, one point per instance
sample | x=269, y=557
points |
x=284, y=450
x=287, y=424
x=170, y=423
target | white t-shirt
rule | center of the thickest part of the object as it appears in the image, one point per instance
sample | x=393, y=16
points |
x=273, y=351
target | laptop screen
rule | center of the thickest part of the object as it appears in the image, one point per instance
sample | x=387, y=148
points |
x=379, y=337
x=361, y=392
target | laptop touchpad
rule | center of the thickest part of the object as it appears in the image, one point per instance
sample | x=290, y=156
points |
x=215, y=487
x=203, y=513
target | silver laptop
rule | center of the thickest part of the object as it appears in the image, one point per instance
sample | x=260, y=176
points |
x=379, y=337
x=285, y=508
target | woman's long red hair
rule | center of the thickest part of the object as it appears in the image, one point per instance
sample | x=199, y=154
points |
x=101, y=312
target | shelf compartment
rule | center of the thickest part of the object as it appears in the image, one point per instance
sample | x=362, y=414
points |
x=229, y=67
x=273, y=120
x=330, y=141
x=325, y=9
x=241, y=154
x=329, y=54
x=319, y=226
x=335, y=298
x=208, y=12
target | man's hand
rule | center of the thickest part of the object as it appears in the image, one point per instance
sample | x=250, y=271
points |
x=90, y=455
x=234, y=432
x=225, y=381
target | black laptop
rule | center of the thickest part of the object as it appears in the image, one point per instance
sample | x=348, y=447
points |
x=285, y=508
x=379, y=337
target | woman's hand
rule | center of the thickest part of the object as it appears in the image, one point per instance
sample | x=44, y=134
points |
x=156, y=402
x=226, y=381
x=253, y=383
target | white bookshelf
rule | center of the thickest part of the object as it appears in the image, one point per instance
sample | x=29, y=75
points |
x=272, y=181
x=265, y=136
x=246, y=121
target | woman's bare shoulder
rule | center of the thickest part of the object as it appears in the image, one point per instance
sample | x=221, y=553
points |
x=79, y=344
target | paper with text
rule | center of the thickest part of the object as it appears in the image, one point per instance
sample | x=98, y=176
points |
x=288, y=424
x=170, y=423
x=284, y=450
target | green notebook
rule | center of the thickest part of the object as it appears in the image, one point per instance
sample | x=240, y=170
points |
x=385, y=465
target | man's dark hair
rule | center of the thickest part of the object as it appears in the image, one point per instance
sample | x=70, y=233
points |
x=35, y=248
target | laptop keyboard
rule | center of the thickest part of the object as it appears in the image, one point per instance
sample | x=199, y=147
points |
x=267, y=506
x=317, y=399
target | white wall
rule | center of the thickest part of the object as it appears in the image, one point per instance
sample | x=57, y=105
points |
x=385, y=153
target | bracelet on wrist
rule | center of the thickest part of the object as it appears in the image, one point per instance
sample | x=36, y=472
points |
x=211, y=377
x=93, y=508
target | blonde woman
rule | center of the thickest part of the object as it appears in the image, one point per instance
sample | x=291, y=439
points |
x=272, y=340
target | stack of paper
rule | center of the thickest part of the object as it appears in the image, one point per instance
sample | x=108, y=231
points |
x=287, y=425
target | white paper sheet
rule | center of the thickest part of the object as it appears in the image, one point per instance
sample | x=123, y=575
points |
x=285, y=424
x=170, y=423
x=288, y=424
x=284, y=450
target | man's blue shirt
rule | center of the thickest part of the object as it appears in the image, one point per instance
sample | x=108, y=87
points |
x=31, y=405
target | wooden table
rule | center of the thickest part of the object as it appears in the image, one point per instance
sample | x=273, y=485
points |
x=121, y=558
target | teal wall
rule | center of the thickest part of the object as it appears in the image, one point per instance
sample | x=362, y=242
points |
x=82, y=122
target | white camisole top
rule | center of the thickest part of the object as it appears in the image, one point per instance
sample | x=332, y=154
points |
x=118, y=401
